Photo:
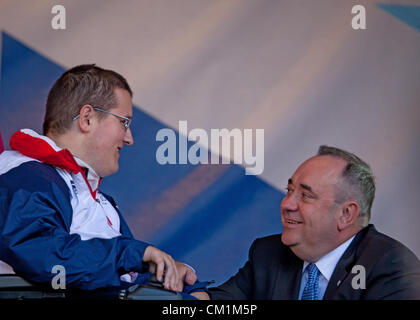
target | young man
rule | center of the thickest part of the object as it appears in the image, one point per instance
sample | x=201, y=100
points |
x=51, y=211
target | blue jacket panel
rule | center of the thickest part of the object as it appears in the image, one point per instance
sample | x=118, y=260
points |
x=35, y=220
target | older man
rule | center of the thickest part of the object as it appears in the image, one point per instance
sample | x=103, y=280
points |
x=51, y=210
x=328, y=249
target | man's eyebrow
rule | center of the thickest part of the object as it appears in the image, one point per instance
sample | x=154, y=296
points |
x=306, y=187
x=303, y=186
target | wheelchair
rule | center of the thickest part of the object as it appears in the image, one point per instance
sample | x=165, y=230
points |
x=15, y=287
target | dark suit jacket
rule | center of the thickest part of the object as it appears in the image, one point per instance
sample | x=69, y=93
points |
x=274, y=272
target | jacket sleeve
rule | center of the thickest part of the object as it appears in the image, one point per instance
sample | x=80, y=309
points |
x=35, y=219
x=239, y=286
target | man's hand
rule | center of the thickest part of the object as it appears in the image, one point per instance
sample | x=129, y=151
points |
x=162, y=263
x=186, y=275
x=201, y=295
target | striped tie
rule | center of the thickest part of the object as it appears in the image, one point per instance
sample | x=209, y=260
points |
x=311, y=288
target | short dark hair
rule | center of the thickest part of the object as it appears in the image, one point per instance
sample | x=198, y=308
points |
x=358, y=178
x=78, y=86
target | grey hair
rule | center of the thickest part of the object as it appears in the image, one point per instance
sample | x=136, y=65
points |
x=359, y=182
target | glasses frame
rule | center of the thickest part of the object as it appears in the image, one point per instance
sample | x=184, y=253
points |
x=126, y=123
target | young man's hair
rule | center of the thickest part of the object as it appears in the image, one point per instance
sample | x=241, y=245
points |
x=78, y=86
x=359, y=182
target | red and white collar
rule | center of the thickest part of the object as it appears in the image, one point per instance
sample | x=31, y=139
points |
x=44, y=149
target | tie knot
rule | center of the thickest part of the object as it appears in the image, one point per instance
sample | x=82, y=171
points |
x=313, y=272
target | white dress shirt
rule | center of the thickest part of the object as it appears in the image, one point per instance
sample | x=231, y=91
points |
x=326, y=266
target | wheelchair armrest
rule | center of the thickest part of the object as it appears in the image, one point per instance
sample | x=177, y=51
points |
x=15, y=287
x=148, y=292
x=8, y=281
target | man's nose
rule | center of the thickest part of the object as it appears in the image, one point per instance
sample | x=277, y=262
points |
x=128, y=138
x=289, y=202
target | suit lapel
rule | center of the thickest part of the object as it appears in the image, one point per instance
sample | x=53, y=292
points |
x=288, y=277
x=345, y=264
x=341, y=272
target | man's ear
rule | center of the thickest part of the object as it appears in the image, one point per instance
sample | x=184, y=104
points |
x=348, y=215
x=85, y=118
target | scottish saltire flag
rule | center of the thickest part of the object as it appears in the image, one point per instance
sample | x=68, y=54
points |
x=299, y=70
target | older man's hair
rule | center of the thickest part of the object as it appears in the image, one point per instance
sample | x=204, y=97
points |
x=81, y=85
x=358, y=181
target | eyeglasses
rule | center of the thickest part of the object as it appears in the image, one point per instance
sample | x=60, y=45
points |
x=125, y=121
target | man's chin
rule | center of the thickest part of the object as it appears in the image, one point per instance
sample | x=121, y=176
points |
x=113, y=171
x=287, y=240
x=110, y=171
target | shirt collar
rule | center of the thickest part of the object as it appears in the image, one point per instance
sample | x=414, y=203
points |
x=91, y=176
x=328, y=262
